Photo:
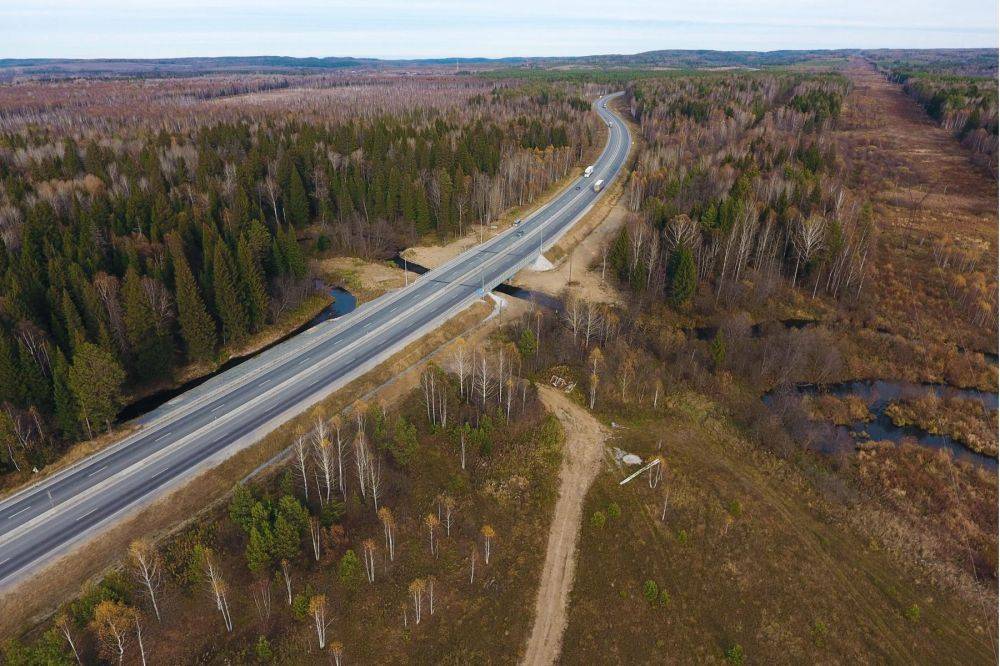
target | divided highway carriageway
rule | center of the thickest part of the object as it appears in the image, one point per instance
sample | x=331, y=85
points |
x=209, y=423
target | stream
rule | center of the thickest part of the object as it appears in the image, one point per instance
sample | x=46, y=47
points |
x=343, y=302
x=877, y=394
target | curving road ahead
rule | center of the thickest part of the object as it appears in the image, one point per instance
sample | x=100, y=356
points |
x=206, y=425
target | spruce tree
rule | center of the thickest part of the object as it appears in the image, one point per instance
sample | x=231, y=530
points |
x=682, y=276
x=75, y=332
x=151, y=348
x=297, y=203
x=228, y=304
x=295, y=262
x=197, y=326
x=36, y=383
x=11, y=389
x=95, y=378
x=65, y=403
x=718, y=349
x=252, y=285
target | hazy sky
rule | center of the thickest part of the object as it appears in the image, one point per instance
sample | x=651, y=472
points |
x=440, y=28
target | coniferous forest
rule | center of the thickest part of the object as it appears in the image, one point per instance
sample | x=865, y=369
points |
x=147, y=225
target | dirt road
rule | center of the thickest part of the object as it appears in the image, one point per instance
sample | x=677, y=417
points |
x=583, y=451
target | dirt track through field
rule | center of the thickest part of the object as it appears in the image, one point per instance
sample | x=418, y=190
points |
x=582, y=453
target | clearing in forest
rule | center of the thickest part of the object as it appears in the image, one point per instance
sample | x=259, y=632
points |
x=583, y=451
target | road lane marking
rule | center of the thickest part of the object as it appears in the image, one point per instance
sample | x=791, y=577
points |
x=164, y=435
x=459, y=264
x=79, y=518
x=15, y=515
x=99, y=469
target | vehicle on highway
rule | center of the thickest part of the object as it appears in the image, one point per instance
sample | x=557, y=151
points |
x=598, y=185
x=518, y=222
x=206, y=425
x=586, y=172
x=579, y=187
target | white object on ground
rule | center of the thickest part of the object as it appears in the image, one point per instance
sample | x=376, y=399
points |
x=541, y=264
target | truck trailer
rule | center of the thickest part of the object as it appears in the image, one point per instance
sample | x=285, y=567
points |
x=586, y=172
x=598, y=185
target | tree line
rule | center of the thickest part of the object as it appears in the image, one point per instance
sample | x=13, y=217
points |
x=133, y=247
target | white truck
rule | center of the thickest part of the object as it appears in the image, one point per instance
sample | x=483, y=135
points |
x=586, y=172
x=598, y=185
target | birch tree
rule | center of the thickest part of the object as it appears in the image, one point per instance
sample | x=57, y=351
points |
x=286, y=574
x=260, y=592
x=460, y=361
x=417, y=593
x=301, y=450
x=388, y=526
x=430, y=594
x=432, y=522
x=337, y=424
x=65, y=627
x=217, y=587
x=112, y=624
x=147, y=569
x=368, y=553
x=315, y=535
x=337, y=650
x=317, y=609
x=488, y=535
x=449, y=507
x=323, y=453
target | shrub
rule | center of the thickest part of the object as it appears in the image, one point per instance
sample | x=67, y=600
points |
x=349, y=569
x=735, y=508
x=682, y=537
x=114, y=587
x=614, y=510
x=734, y=654
x=664, y=598
x=820, y=630
x=263, y=649
x=331, y=512
x=650, y=590
x=598, y=519
x=300, y=605
x=913, y=613
x=527, y=344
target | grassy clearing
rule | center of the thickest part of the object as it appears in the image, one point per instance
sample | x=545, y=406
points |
x=749, y=561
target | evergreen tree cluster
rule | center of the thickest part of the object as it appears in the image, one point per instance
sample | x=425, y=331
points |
x=130, y=248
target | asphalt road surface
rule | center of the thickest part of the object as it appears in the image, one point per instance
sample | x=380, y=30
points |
x=206, y=425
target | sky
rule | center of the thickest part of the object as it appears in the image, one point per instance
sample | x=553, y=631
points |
x=488, y=28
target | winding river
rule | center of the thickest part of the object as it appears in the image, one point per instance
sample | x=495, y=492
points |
x=878, y=394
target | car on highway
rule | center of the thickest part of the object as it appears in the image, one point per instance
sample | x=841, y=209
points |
x=579, y=187
x=520, y=233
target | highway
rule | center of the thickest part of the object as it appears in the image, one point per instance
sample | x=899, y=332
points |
x=207, y=425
